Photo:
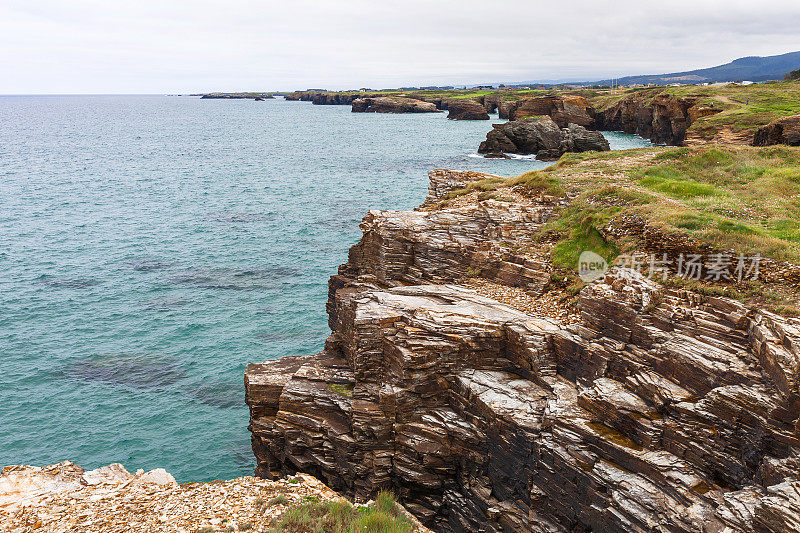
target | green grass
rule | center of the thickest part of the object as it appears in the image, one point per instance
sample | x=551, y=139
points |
x=340, y=516
x=534, y=181
x=728, y=197
x=280, y=499
x=342, y=388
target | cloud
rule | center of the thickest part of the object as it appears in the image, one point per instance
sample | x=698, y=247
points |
x=55, y=46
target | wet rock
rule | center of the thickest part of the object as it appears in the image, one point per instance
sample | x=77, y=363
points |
x=541, y=136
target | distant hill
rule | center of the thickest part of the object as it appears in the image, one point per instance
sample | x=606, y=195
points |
x=751, y=68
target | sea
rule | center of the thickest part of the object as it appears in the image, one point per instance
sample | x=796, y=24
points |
x=152, y=246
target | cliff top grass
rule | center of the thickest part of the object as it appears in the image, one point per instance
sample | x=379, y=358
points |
x=725, y=198
x=735, y=198
x=339, y=516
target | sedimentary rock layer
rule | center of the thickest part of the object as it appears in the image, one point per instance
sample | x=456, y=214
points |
x=663, y=410
x=466, y=110
x=386, y=104
x=781, y=131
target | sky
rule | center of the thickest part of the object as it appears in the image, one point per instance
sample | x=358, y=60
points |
x=182, y=46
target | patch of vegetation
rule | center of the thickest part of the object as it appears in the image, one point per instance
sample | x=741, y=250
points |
x=734, y=198
x=342, y=388
x=340, y=516
x=577, y=230
x=280, y=499
x=793, y=75
x=746, y=107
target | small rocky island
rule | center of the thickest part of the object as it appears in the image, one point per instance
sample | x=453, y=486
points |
x=541, y=136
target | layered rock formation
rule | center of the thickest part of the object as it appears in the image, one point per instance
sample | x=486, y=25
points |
x=387, y=104
x=661, y=118
x=662, y=410
x=466, y=110
x=564, y=110
x=541, y=136
x=239, y=96
x=781, y=131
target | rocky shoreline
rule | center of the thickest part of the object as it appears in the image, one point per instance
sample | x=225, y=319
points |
x=657, y=410
x=64, y=497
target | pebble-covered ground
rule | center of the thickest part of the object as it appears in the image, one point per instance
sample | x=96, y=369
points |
x=65, y=498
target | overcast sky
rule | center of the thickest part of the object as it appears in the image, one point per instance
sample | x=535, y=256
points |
x=178, y=46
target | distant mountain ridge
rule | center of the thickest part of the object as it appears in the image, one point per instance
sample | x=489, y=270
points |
x=752, y=68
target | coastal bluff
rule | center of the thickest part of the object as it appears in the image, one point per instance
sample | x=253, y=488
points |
x=453, y=378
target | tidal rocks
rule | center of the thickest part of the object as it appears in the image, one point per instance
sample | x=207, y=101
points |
x=388, y=104
x=466, y=110
x=781, y=131
x=564, y=110
x=541, y=136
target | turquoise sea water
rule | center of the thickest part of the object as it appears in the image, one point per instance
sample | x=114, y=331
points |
x=151, y=246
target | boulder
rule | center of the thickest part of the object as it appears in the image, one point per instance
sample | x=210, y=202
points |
x=388, y=104
x=541, y=136
x=784, y=130
x=466, y=110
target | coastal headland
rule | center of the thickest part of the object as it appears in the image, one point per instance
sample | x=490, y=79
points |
x=475, y=374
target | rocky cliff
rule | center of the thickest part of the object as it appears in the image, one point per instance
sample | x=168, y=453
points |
x=386, y=104
x=781, y=131
x=654, y=410
x=466, y=110
x=661, y=118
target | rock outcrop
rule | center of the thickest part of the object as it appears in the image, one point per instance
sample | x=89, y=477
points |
x=237, y=96
x=781, y=131
x=387, y=104
x=541, y=136
x=564, y=110
x=466, y=109
x=662, y=118
x=661, y=410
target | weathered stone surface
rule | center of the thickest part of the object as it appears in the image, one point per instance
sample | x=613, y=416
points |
x=663, y=410
x=64, y=498
x=784, y=130
x=387, y=104
x=466, y=109
x=541, y=136
x=563, y=110
x=662, y=118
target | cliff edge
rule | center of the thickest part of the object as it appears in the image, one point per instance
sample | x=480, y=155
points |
x=457, y=377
